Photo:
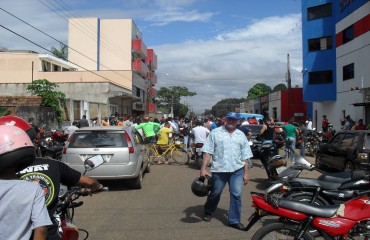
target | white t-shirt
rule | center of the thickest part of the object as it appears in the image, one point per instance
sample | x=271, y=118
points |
x=245, y=123
x=200, y=134
x=309, y=125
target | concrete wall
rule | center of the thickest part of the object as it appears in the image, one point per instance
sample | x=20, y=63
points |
x=83, y=36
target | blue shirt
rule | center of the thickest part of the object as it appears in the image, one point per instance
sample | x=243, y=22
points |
x=229, y=152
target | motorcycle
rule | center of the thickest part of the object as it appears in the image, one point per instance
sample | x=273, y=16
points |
x=327, y=189
x=312, y=142
x=273, y=163
x=199, y=154
x=45, y=148
x=68, y=202
x=298, y=219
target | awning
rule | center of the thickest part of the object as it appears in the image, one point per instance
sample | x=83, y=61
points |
x=361, y=104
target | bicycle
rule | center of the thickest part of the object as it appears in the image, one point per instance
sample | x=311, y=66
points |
x=175, y=149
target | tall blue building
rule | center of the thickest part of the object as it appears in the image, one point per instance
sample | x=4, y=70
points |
x=336, y=48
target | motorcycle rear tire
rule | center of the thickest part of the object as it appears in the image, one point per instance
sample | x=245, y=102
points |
x=283, y=229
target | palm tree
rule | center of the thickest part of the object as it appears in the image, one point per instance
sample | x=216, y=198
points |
x=62, y=52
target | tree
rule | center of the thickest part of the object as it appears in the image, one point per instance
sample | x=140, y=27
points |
x=171, y=97
x=50, y=97
x=257, y=90
x=279, y=87
x=60, y=53
x=4, y=111
x=226, y=105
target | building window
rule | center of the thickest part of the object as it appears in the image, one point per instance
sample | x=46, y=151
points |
x=320, y=77
x=348, y=34
x=318, y=44
x=317, y=12
x=349, y=72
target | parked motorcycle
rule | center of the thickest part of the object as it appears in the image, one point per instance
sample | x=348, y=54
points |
x=271, y=161
x=68, y=202
x=45, y=148
x=297, y=219
x=312, y=142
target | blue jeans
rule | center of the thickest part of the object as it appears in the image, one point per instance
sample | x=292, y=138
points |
x=289, y=142
x=303, y=147
x=235, y=181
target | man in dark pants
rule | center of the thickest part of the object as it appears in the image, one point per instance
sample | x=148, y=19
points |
x=230, y=152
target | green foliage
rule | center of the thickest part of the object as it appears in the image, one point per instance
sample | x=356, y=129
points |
x=172, y=96
x=60, y=53
x=50, y=97
x=279, y=87
x=225, y=105
x=4, y=111
x=257, y=90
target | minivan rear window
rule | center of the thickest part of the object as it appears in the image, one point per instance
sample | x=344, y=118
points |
x=101, y=139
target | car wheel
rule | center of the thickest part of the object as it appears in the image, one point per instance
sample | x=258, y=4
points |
x=348, y=166
x=137, y=183
x=147, y=169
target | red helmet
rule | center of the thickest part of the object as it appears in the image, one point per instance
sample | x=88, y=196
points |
x=16, y=148
x=19, y=122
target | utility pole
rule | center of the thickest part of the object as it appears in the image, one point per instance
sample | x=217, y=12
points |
x=289, y=83
x=32, y=79
x=172, y=106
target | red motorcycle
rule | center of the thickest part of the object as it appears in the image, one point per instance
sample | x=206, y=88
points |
x=298, y=220
x=68, y=202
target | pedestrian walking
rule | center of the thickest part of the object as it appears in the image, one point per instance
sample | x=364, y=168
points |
x=229, y=149
x=291, y=134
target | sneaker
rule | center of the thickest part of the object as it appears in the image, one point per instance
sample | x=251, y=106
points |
x=206, y=218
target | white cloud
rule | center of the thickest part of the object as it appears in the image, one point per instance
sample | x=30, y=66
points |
x=228, y=65
x=171, y=15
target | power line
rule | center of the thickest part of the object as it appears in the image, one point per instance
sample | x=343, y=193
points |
x=19, y=35
x=68, y=9
x=60, y=41
x=109, y=48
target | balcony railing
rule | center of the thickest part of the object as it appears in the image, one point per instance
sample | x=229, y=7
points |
x=151, y=59
x=152, y=92
x=140, y=67
x=152, y=77
x=139, y=49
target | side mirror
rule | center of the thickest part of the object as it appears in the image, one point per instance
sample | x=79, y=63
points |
x=93, y=162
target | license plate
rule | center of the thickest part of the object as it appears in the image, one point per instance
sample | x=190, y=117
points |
x=280, y=169
x=198, y=149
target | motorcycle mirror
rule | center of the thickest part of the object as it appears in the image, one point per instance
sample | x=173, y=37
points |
x=93, y=162
x=301, y=163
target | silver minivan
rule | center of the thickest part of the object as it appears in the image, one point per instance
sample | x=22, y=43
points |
x=122, y=148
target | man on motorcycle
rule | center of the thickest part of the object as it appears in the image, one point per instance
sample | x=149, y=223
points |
x=50, y=173
x=22, y=204
x=199, y=134
x=148, y=129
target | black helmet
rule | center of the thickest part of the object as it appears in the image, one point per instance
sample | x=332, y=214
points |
x=200, y=187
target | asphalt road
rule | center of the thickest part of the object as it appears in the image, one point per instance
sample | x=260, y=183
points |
x=165, y=208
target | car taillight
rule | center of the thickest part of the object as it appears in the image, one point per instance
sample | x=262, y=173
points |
x=129, y=144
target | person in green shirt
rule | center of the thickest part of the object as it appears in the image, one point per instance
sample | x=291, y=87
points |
x=148, y=129
x=291, y=132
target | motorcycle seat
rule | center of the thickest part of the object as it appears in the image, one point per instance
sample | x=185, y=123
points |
x=342, y=176
x=309, y=182
x=310, y=209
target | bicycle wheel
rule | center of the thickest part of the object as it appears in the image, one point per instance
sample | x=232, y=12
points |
x=279, y=230
x=180, y=156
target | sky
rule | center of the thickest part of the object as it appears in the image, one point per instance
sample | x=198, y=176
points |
x=216, y=48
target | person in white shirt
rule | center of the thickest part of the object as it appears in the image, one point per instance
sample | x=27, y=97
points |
x=309, y=124
x=200, y=133
x=244, y=122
